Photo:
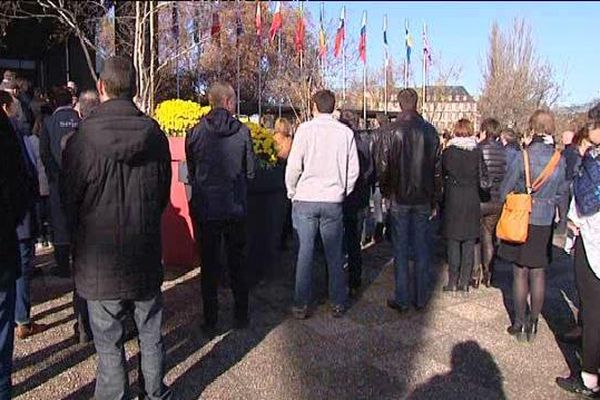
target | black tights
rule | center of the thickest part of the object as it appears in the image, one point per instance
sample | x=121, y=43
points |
x=528, y=281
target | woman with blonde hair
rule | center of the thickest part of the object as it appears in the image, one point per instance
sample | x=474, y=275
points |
x=530, y=258
x=283, y=137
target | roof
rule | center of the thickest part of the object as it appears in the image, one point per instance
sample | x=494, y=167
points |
x=459, y=93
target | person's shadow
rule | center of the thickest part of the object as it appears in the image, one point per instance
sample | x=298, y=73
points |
x=474, y=375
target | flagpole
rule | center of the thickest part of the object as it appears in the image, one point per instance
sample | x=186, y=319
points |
x=344, y=60
x=302, y=82
x=258, y=21
x=385, y=70
x=279, y=69
x=406, y=66
x=424, y=69
x=365, y=85
x=176, y=21
x=237, y=57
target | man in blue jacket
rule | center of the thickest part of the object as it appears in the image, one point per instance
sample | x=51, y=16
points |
x=220, y=161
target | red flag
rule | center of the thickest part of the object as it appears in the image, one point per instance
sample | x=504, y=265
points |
x=258, y=23
x=362, y=44
x=340, y=35
x=277, y=23
x=215, y=29
x=300, y=33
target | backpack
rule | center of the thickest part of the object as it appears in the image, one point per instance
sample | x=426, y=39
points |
x=586, y=185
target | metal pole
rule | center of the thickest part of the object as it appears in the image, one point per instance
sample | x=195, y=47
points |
x=259, y=86
x=67, y=60
x=424, y=71
x=385, y=72
x=344, y=60
x=365, y=87
x=237, y=56
x=279, y=70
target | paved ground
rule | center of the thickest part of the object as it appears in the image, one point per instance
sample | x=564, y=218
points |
x=456, y=349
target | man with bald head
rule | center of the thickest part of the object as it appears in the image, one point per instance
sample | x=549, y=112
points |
x=220, y=161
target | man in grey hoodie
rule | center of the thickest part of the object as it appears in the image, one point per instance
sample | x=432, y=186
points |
x=321, y=171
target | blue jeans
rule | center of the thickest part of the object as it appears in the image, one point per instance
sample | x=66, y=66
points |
x=106, y=318
x=23, y=296
x=403, y=218
x=7, y=336
x=311, y=218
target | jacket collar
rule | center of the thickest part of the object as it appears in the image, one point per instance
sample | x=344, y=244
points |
x=409, y=115
x=122, y=107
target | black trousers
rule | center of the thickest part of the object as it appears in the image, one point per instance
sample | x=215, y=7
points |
x=484, y=252
x=212, y=236
x=460, y=261
x=588, y=286
x=353, y=227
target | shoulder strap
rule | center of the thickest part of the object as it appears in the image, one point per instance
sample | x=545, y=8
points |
x=527, y=171
x=547, y=172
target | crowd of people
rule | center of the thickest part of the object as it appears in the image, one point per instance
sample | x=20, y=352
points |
x=102, y=169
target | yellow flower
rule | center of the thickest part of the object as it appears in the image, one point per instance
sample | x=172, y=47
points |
x=176, y=117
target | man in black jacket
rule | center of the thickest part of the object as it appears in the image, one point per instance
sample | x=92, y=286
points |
x=220, y=161
x=117, y=174
x=494, y=157
x=406, y=157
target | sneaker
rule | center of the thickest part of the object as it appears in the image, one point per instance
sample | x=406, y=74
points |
x=300, y=312
x=397, y=306
x=574, y=384
x=27, y=330
x=337, y=311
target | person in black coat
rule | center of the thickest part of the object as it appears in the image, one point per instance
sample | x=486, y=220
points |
x=463, y=173
x=117, y=174
x=220, y=162
x=494, y=157
x=14, y=203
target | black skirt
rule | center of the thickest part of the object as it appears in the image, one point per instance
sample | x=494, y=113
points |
x=534, y=253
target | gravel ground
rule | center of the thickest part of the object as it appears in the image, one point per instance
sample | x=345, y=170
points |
x=456, y=349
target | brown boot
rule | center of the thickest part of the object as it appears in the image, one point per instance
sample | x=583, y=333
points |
x=26, y=330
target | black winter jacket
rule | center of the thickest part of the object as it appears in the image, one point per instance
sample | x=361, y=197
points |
x=494, y=157
x=360, y=196
x=407, y=160
x=117, y=177
x=220, y=161
x=62, y=122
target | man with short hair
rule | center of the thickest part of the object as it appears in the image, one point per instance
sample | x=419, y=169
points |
x=117, y=170
x=220, y=162
x=321, y=171
x=494, y=158
x=406, y=156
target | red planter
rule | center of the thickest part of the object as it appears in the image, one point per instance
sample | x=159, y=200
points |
x=179, y=246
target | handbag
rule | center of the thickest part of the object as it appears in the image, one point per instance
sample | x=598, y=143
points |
x=513, y=225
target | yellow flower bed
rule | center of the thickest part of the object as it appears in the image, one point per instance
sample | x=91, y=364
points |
x=263, y=144
x=176, y=117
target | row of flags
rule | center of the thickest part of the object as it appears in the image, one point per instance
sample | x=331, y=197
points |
x=300, y=32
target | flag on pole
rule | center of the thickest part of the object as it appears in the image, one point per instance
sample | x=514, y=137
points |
x=175, y=21
x=322, y=39
x=215, y=29
x=239, y=25
x=362, y=43
x=300, y=32
x=426, y=49
x=409, y=44
x=258, y=23
x=385, y=41
x=340, y=35
x=277, y=23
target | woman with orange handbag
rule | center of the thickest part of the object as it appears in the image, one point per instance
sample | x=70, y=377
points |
x=529, y=258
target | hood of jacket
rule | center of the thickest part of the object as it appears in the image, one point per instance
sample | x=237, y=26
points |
x=120, y=131
x=464, y=143
x=221, y=122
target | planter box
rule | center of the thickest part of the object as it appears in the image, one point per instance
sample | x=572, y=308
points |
x=178, y=242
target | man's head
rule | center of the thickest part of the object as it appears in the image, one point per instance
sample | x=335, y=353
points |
x=350, y=118
x=23, y=84
x=61, y=96
x=222, y=95
x=490, y=128
x=382, y=119
x=73, y=86
x=87, y=102
x=509, y=136
x=323, y=102
x=117, y=79
x=407, y=99
x=9, y=76
x=542, y=123
x=594, y=124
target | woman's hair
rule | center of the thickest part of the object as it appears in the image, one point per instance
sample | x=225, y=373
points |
x=542, y=122
x=509, y=135
x=463, y=128
x=5, y=99
x=581, y=135
x=282, y=125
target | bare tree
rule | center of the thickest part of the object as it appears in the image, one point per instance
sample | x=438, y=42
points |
x=516, y=81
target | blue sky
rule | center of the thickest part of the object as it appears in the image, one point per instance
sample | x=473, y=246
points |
x=564, y=33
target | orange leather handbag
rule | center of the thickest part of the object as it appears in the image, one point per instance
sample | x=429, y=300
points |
x=513, y=225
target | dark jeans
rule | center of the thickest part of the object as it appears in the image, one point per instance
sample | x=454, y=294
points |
x=353, y=227
x=310, y=219
x=212, y=235
x=484, y=252
x=7, y=336
x=460, y=261
x=403, y=218
x=23, y=295
x=43, y=218
x=588, y=286
x=106, y=317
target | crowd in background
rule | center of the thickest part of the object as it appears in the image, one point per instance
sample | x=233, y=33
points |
x=90, y=173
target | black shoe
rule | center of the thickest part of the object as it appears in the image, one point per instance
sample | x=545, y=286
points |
x=209, y=330
x=300, y=312
x=396, y=306
x=518, y=331
x=571, y=337
x=487, y=280
x=574, y=384
x=532, y=330
x=463, y=288
x=337, y=311
x=449, y=288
